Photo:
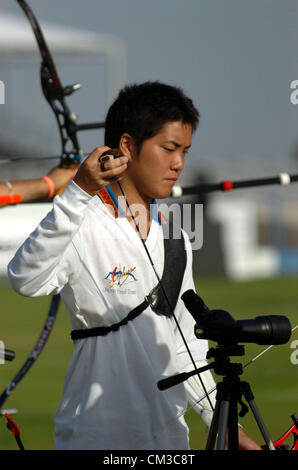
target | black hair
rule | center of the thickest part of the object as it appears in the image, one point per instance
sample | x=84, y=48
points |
x=142, y=109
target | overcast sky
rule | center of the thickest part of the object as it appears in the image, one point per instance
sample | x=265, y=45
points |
x=235, y=58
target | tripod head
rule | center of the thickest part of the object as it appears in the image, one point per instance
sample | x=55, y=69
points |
x=221, y=365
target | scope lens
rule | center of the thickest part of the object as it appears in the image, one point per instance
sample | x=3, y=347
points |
x=264, y=330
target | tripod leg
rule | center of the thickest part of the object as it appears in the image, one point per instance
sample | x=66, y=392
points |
x=213, y=428
x=233, y=439
x=222, y=424
x=220, y=418
x=261, y=425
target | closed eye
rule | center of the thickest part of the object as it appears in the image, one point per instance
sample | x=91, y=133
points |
x=169, y=149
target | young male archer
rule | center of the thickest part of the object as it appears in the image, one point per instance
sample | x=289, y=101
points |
x=122, y=345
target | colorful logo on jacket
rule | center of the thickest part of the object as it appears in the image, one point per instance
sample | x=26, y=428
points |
x=120, y=276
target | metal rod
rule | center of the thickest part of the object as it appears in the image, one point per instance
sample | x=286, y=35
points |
x=282, y=179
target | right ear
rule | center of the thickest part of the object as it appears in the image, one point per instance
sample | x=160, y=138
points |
x=127, y=146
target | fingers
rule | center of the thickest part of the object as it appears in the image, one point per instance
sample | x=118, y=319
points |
x=93, y=174
x=95, y=155
x=110, y=165
x=114, y=171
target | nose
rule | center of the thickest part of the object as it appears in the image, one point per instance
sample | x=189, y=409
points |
x=177, y=163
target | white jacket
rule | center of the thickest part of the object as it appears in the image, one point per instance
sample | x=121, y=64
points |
x=99, y=266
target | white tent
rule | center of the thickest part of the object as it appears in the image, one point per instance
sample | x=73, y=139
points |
x=96, y=61
x=16, y=37
x=17, y=42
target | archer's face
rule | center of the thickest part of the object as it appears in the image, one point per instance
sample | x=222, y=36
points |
x=156, y=168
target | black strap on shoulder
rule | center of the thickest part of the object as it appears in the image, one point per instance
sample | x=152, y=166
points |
x=173, y=272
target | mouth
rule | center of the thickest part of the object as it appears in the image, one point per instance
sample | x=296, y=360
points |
x=173, y=180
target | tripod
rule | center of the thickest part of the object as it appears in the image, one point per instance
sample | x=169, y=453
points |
x=219, y=325
x=229, y=393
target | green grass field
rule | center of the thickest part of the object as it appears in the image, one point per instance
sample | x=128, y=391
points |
x=273, y=377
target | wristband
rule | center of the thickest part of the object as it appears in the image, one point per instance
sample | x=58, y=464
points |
x=51, y=187
x=6, y=199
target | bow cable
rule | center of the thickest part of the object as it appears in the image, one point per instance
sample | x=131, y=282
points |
x=165, y=294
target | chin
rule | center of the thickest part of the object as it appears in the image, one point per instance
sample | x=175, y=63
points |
x=163, y=195
x=160, y=192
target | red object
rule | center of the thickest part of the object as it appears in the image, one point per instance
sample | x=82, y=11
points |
x=12, y=426
x=227, y=185
x=10, y=199
x=292, y=430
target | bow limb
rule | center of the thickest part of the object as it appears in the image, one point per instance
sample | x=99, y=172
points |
x=44, y=50
x=38, y=347
x=55, y=93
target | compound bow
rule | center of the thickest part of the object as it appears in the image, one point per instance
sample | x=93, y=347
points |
x=55, y=94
